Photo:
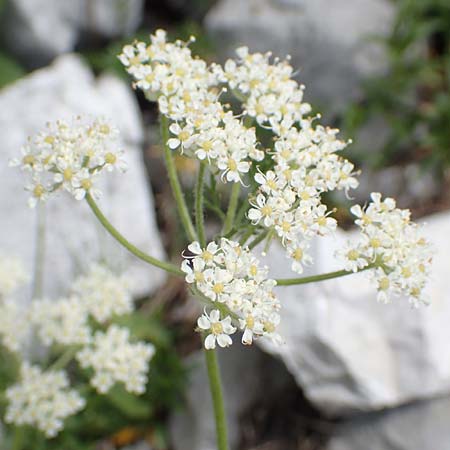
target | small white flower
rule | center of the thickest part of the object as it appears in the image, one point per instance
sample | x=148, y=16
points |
x=219, y=329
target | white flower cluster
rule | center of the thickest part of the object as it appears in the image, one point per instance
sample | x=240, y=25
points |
x=99, y=294
x=188, y=94
x=12, y=274
x=268, y=92
x=42, y=399
x=237, y=288
x=69, y=157
x=115, y=359
x=391, y=242
x=289, y=196
x=104, y=294
x=63, y=322
x=306, y=163
x=14, y=326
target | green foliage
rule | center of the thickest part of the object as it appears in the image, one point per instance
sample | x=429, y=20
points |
x=414, y=98
x=10, y=70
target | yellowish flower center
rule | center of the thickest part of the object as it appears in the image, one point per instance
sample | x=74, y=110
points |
x=269, y=327
x=217, y=328
x=86, y=184
x=68, y=174
x=218, y=288
x=232, y=165
x=384, y=284
x=38, y=191
x=110, y=158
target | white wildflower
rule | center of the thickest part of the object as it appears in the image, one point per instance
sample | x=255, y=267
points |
x=115, y=359
x=103, y=294
x=12, y=274
x=219, y=330
x=68, y=157
x=232, y=277
x=42, y=399
x=391, y=242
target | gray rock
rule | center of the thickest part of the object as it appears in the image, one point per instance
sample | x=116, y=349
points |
x=418, y=426
x=329, y=40
x=350, y=353
x=37, y=31
x=73, y=235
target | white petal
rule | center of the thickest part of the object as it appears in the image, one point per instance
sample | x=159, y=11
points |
x=195, y=248
x=224, y=340
x=204, y=323
x=210, y=342
x=215, y=315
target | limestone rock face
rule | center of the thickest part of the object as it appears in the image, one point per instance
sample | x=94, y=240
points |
x=36, y=31
x=73, y=236
x=329, y=40
x=348, y=352
x=412, y=427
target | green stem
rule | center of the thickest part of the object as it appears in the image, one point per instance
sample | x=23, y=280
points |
x=168, y=267
x=39, y=254
x=321, y=277
x=232, y=206
x=258, y=239
x=175, y=182
x=64, y=359
x=17, y=438
x=199, y=219
x=215, y=385
x=247, y=235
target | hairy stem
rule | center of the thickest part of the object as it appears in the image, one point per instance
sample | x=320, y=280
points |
x=215, y=385
x=168, y=267
x=175, y=183
x=199, y=219
x=232, y=206
x=320, y=277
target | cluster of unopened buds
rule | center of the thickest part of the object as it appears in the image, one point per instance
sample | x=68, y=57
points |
x=43, y=398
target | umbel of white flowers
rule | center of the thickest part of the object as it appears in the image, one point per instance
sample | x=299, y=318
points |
x=43, y=398
x=289, y=179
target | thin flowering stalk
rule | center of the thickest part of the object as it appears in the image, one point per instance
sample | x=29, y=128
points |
x=64, y=359
x=18, y=440
x=258, y=239
x=199, y=219
x=320, y=277
x=232, y=207
x=175, y=182
x=215, y=385
x=168, y=267
x=39, y=253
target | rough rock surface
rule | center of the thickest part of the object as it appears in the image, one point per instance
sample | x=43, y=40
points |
x=328, y=40
x=418, y=426
x=350, y=353
x=73, y=235
x=36, y=31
